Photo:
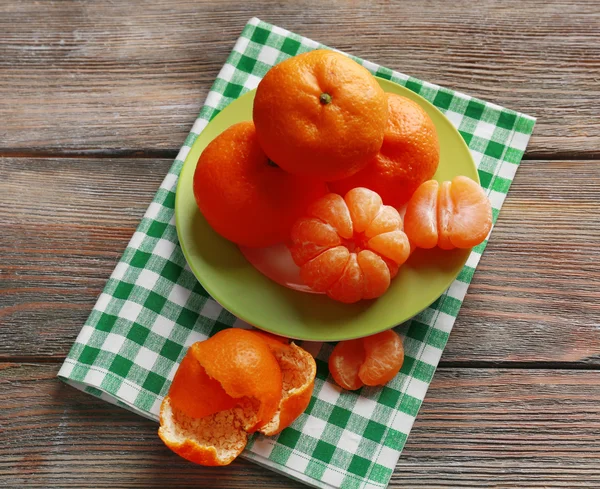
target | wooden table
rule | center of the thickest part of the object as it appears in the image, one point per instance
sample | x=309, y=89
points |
x=95, y=100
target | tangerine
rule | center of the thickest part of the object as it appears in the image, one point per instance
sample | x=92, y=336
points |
x=349, y=247
x=243, y=196
x=372, y=360
x=230, y=385
x=453, y=214
x=320, y=114
x=409, y=155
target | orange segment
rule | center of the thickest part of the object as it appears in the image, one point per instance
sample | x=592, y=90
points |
x=375, y=272
x=420, y=219
x=344, y=363
x=333, y=210
x=387, y=219
x=310, y=237
x=321, y=272
x=472, y=213
x=384, y=356
x=195, y=393
x=244, y=365
x=455, y=214
x=364, y=205
x=393, y=267
x=393, y=245
x=349, y=287
x=444, y=216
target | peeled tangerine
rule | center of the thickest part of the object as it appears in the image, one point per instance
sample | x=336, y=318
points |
x=449, y=215
x=373, y=360
x=233, y=384
x=351, y=247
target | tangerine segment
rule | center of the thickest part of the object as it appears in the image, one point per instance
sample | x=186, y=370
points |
x=344, y=364
x=243, y=196
x=375, y=272
x=444, y=216
x=350, y=286
x=320, y=114
x=387, y=219
x=455, y=214
x=244, y=365
x=364, y=205
x=194, y=393
x=373, y=360
x=213, y=440
x=322, y=272
x=299, y=369
x=420, y=219
x=409, y=155
x=393, y=267
x=393, y=245
x=384, y=356
x=332, y=210
x=472, y=218
x=310, y=237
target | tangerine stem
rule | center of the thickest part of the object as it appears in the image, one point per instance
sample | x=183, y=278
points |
x=325, y=98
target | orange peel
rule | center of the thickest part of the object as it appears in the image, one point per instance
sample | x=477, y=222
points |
x=229, y=386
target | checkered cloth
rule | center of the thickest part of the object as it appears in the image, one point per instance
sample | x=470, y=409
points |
x=153, y=308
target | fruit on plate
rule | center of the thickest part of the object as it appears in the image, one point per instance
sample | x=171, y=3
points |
x=451, y=214
x=228, y=386
x=245, y=197
x=373, y=360
x=408, y=157
x=320, y=114
x=351, y=247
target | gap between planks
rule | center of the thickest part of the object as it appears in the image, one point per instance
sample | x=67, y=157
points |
x=480, y=364
x=172, y=154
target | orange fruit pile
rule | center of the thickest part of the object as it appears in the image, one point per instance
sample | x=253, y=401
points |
x=373, y=360
x=322, y=123
x=455, y=214
x=228, y=386
x=349, y=247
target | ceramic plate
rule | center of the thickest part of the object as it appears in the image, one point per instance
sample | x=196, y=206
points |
x=240, y=288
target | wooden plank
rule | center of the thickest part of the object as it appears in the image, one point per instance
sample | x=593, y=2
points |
x=112, y=77
x=535, y=296
x=477, y=428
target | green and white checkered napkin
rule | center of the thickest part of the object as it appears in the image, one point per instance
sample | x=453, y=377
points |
x=153, y=308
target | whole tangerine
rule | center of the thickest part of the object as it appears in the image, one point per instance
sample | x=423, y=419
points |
x=320, y=114
x=244, y=196
x=409, y=155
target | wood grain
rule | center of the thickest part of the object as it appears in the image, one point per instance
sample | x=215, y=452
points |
x=477, y=428
x=535, y=296
x=86, y=77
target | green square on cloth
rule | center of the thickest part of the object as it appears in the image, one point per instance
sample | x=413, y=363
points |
x=153, y=308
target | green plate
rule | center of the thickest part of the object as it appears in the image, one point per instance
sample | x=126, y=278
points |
x=230, y=279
